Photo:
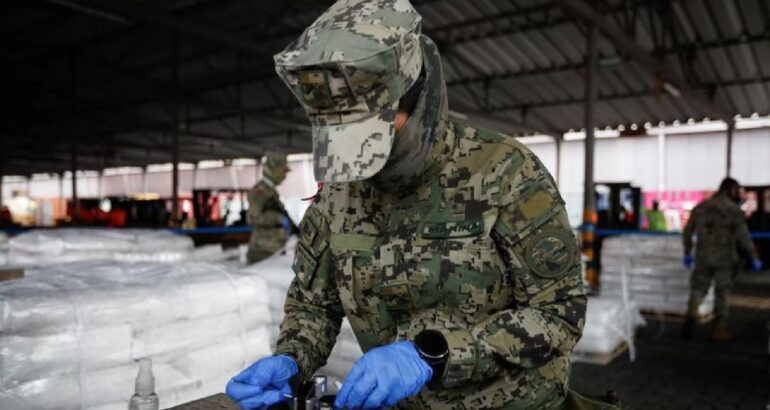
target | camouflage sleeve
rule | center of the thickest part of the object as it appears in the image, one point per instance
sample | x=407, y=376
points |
x=689, y=230
x=546, y=317
x=259, y=213
x=743, y=237
x=313, y=310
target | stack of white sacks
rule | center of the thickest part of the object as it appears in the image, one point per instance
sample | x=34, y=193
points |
x=656, y=279
x=70, y=334
x=3, y=248
x=277, y=273
x=55, y=246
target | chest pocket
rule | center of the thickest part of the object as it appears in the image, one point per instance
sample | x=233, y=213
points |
x=451, y=264
x=358, y=277
x=356, y=263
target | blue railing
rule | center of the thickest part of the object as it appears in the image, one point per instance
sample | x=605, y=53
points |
x=196, y=231
x=611, y=232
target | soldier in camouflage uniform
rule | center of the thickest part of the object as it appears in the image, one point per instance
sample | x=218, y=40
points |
x=267, y=216
x=446, y=246
x=723, y=240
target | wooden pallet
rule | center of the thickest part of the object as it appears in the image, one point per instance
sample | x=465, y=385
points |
x=750, y=302
x=676, y=317
x=601, y=359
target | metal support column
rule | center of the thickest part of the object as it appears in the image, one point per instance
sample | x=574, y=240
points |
x=175, y=133
x=557, y=168
x=62, y=201
x=2, y=177
x=258, y=168
x=75, y=200
x=730, y=132
x=175, y=177
x=100, y=176
x=195, y=176
x=589, y=200
x=145, y=187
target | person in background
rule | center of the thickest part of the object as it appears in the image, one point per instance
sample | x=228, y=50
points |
x=723, y=239
x=271, y=225
x=656, y=220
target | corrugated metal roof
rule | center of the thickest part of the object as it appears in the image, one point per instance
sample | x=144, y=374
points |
x=100, y=72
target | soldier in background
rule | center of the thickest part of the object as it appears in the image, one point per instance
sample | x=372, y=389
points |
x=267, y=216
x=723, y=242
x=446, y=246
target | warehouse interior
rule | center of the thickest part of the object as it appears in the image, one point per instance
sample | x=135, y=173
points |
x=134, y=133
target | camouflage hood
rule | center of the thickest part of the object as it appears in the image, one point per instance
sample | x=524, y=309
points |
x=275, y=167
x=421, y=147
x=348, y=70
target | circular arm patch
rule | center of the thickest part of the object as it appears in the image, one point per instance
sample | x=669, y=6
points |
x=549, y=253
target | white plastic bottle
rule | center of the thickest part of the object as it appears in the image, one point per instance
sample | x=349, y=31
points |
x=144, y=398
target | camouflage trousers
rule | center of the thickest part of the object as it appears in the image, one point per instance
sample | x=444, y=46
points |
x=700, y=281
x=265, y=242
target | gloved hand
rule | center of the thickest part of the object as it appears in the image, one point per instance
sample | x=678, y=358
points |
x=384, y=376
x=688, y=261
x=286, y=223
x=756, y=265
x=264, y=383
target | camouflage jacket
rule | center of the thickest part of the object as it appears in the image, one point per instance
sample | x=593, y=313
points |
x=482, y=251
x=722, y=232
x=266, y=210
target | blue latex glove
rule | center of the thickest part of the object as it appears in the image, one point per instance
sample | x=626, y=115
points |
x=264, y=383
x=688, y=261
x=286, y=223
x=384, y=376
x=756, y=265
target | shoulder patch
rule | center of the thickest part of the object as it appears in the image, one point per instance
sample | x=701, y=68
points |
x=549, y=253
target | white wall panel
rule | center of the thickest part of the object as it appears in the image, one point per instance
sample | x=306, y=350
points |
x=547, y=154
x=572, y=155
x=692, y=162
x=751, y=157
x=695, y=162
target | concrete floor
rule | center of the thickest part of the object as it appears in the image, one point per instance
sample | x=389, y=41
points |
x=673, y=374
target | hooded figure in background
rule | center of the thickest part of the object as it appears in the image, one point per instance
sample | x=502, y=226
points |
x=446, y=246
x=267, y=216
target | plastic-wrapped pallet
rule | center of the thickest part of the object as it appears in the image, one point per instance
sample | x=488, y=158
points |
x=55, y=246
x=609, y=324
x=655, y=277
x=70, y=334
x=277, y=273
